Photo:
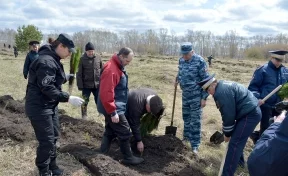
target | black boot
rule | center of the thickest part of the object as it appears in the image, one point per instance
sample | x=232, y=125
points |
x=56, y=171
x=128, y=157
x=45, y=173
x=106, y=144
x=84, y=112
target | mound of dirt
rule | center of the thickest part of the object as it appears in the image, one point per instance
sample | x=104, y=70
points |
x=164, y=155
x=7, y=102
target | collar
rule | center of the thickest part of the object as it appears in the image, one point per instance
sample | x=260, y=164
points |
x=148, y=99
x=116, y=59
x=270, y=64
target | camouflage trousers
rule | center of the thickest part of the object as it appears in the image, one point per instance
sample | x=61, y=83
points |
x=191, y=113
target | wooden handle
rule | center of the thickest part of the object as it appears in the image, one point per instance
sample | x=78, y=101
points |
x=223, y=160
x=271, y=93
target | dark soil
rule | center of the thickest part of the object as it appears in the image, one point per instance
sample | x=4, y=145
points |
x=164, y=155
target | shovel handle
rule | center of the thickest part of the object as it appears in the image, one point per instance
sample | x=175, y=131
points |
x=223, y=160
x=173, y=108
x=271, y=93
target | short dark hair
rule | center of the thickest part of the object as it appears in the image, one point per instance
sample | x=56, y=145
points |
x=125, y=51
x=55, y=44
x=51, y=40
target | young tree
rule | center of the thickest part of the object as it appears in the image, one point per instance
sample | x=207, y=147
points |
x=25, y=34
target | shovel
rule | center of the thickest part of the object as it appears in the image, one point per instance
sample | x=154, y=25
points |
x=172, y=129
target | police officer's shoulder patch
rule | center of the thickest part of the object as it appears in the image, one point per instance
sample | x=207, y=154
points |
x=47, y=80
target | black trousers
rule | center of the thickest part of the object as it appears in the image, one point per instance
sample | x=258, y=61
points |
x=86, y=92
x=120, y=130
x=46, y=128
x=267, y=113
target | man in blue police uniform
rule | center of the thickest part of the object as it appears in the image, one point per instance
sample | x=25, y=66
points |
x=240, y=115
x=265, y=79
x=31, y=56
x=192, y=69
x=44, y=92
x=270, y=154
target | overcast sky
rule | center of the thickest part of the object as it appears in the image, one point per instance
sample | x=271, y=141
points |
x=247, y=17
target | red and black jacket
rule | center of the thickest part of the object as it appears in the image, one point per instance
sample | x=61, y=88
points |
x=113, y=92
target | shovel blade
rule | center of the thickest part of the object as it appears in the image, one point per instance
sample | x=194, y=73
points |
x=171, y=130
x=217, y=138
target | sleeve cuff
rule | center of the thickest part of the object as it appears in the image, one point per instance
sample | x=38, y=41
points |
x=64, y=97
x=113, y=114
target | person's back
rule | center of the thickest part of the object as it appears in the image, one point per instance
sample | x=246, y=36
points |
x=270, y=154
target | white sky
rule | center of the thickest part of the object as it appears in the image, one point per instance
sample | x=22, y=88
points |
x=246, y=17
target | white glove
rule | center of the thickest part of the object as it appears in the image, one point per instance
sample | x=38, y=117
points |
x=68, y=76
x=75, y=101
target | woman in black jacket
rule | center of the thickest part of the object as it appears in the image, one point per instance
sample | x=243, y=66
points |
x=46, y=76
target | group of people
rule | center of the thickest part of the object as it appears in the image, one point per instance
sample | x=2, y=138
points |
x=14, y=48
x=241, y=108
x=122, y=108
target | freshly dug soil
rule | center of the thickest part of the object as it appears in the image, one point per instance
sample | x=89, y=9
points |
x=164, y=155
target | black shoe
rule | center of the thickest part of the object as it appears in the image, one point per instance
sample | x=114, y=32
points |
x=57, y=172
x=106, y=144
x=128, y=157
x=49, y=173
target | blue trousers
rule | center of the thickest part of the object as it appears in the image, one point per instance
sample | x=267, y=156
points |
x=191, y=113
x=243, y=129
x=86, y=92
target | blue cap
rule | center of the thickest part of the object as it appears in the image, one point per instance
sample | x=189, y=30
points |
x=205, y=83
x=66, y=40
x=186, y=47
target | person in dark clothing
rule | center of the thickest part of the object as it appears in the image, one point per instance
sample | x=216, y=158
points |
x=270, y=154
x=44, y=92
x=31, y=56
x=240, y=115
x=112, y=100
x=88, y=75
x=15, y=51
x=210, y=59
x=4, y=45
x=9, y=46
x=140, y=102
x=265, y=79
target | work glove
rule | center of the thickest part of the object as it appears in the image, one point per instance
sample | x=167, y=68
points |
x=75, y=101
x=68, y=76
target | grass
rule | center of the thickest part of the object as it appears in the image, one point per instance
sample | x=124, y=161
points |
x=158, y=74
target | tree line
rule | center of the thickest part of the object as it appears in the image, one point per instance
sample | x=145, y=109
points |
x=163, y=41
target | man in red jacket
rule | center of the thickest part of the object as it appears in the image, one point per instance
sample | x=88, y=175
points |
x=112, y=101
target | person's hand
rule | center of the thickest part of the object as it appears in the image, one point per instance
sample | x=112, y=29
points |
x=203, y=103
x=140, y=146
x=281, y=117
x=75, y=101
x=226, y=139
x=115, y=118
x=25, y=76
x=260, y=102
x=68, y=76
